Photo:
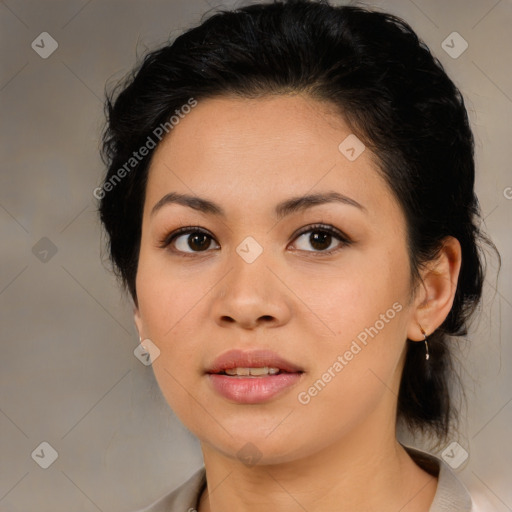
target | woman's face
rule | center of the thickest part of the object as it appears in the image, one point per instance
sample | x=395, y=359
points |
x=321, y=317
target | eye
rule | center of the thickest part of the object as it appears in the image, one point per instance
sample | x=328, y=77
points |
x=323, y=238
x=188, y=240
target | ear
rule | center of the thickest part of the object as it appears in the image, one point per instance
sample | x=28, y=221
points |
x=436, y=291
x=138, y=322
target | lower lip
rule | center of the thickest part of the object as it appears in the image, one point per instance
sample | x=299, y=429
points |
x=252, y=390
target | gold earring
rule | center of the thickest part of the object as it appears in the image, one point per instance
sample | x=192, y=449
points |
x=427, y=355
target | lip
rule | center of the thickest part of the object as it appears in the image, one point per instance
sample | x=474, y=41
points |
x=251, y=359
x=252, y=390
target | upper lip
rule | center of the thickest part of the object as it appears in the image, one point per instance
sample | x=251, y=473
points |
x=251, y=359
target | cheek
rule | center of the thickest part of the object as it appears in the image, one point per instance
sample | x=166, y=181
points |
x=173, y=303
x=357, y=372
x=365, y=312
x=167, y=297
x=345, y=302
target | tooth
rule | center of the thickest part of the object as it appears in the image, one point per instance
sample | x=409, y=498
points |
x=259, y=371
x=243, y=372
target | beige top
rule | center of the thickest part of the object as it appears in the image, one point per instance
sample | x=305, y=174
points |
x=451, y=495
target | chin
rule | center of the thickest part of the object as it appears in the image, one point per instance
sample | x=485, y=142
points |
x=258, y=452
x=253, y=445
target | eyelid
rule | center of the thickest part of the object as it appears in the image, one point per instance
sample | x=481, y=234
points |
x=342, y=237
x=170, y=237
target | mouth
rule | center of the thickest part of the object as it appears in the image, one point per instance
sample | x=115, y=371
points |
x=251, y=372
x=252, y=363
x=252, y=377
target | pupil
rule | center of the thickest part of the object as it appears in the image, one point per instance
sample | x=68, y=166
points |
x=318, y=240
x=199, y=239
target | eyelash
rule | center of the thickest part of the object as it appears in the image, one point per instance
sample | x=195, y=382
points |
x=322, y=228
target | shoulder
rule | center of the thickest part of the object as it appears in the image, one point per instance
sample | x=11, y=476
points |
x=451, y=494
x=182, y=499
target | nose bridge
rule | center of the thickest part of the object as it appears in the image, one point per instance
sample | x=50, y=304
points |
x=251, y=293
x=249, y=278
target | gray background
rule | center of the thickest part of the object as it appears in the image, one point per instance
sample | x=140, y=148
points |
x=68, y=373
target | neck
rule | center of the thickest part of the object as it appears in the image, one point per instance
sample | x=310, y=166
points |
x=368, y=470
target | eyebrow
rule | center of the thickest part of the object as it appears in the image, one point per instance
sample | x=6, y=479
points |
x=283, y=209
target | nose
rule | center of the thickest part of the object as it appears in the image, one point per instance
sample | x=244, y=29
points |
x=251, y=295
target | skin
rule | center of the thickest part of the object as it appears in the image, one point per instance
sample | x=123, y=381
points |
x=247, y=156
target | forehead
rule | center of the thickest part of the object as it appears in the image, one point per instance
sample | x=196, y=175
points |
x=263, y=129
x=261, y=150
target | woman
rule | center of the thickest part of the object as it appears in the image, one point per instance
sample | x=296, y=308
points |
x=289, y=201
